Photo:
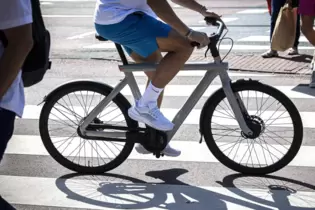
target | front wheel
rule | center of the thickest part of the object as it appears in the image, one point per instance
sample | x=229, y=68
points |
x=65, y=109
x=263, y=152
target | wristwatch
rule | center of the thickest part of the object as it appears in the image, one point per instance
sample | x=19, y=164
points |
x=188, y=34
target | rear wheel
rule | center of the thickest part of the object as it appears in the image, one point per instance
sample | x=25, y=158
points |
x=258, y=154
x=65, y=109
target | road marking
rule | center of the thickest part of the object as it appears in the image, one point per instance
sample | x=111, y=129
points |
x=293, y=92
x=109, y=45
x=202, y=73
x=264, y=39
x=280, y=118
x=253, y=11
x=33, y=145
x=173, y=5
x=80, y=36
x=197, y=28
x=68, y=16
x=67, y=0
x=106, y=193
x=46, y=3
x=105, y=45
x=225, y=20
x=256, y=47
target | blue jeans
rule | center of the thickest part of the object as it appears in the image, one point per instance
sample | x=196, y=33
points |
x=7, y=119
x=275, y=9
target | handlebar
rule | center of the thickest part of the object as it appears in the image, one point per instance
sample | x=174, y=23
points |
x=214, y=38
x=216, y=22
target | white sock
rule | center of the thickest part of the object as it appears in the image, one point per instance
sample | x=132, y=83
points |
x=151, y=94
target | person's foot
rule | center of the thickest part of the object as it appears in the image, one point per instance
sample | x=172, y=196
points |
x=168, y=151
x=270, y=54
x=151, y=115
x=293, y=51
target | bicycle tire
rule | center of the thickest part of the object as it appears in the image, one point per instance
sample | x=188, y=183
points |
x=68, y=88
x=219, y=95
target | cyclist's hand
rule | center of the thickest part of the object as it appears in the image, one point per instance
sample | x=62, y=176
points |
x=199, y=37
x=207, y=13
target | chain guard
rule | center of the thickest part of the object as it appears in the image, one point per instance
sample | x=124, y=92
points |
x=155, y=141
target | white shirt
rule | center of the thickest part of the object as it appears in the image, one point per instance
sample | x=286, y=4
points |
x=114, y=11
x=14, y=13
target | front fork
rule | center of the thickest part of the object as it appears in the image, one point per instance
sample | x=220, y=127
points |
x=236, y=103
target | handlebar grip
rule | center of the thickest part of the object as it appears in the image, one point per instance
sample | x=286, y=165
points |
x=215, y=22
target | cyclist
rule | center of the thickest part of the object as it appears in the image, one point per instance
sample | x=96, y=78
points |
x=134, y=24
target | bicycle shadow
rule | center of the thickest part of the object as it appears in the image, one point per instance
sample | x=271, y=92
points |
x=170, y=193
x=282, y=191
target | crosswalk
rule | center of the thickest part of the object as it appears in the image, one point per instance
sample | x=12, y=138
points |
x=31, y=179
x=249, y=29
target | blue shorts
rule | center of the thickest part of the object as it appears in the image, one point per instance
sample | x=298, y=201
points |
x=137, y=32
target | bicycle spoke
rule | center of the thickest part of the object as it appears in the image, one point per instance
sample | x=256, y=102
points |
x=89, y=153
x=269, y=146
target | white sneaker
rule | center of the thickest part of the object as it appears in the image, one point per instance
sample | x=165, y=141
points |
x=168, y=151
x=150, y=115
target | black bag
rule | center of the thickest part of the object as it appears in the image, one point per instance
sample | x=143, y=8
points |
x=37, y=61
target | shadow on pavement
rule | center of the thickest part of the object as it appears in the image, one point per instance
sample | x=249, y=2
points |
x=302, y=58
x=282, y=191
x=122, y=192
x=4, y=205
x=305, y=89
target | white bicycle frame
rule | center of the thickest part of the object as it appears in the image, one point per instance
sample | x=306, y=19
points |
x=212, y=70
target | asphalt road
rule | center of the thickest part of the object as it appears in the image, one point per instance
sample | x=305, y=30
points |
x=30, y=179
x=72, y=29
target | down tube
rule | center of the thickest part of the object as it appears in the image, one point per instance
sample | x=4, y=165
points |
x=191, y=102
x=116, y=90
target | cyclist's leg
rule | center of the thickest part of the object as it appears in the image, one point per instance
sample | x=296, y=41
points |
x=145, y=35
x=156, y=57
x=179, y=50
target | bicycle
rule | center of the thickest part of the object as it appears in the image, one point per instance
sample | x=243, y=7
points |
x=91, y=128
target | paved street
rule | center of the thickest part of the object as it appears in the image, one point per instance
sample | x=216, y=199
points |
x=30, y=179
x=72, y=27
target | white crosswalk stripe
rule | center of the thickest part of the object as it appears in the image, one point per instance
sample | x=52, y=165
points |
x=29, y=177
